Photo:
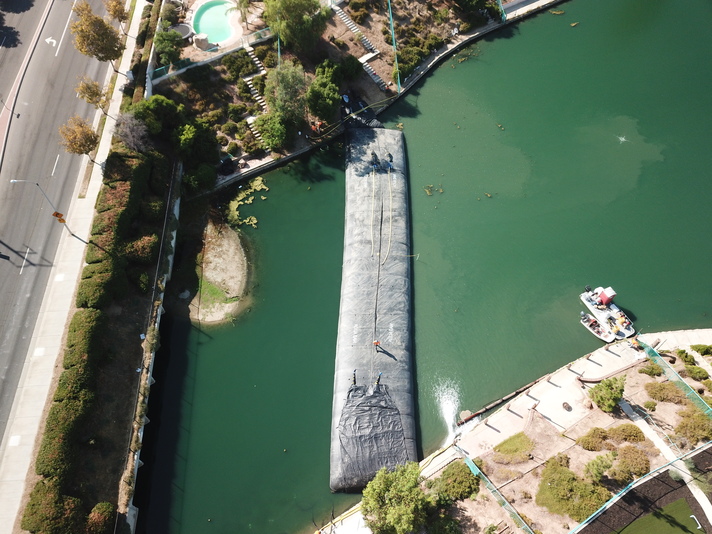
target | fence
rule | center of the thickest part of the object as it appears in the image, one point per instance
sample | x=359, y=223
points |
x=630, y=486
x=675, y=378
x=211, y=54
x=495, y=493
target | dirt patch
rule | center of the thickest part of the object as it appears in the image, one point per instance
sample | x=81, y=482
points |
x=222, y=291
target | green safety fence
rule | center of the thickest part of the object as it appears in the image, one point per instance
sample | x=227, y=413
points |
x=675, y=378
x=630, y=486
x=495, y=493
x=502, y=12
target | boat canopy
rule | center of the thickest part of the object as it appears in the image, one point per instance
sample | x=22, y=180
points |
x=607, y=295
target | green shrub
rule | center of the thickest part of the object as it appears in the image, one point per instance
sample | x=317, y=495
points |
x=258, y=82
x=456, y=483
x=50, y=512
x=84, y=337
x=694, y=425
x=114, y=195
x=632, y=462
x=56, y=452
x=233, y=149
x=465, y=27
x=596, y=468
x=359, y=16
x=703, y=350
x=201, y=179
x=651, y=369
x=101, y=519
x=95, y=292
x=433, y=42
x=243, y=90
x=351, y=67
x=650, y=405
x=238, y=64
x=143, y=250
x=514, y=449
x=272, y=128
x=139, y=277
x=72, y=383
x=409, y=57
x=169, y=13
x=686, y=357
x=98, y=248
x=608, y=393
x=152, y=210
x=168, y=45
x=593, y=440
x=236, y=111
x=665, y=392
x=626, y=432
x=563, y=493
x=696, y=373
x=229, y=128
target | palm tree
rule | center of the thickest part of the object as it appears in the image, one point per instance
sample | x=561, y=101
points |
x=243, y=6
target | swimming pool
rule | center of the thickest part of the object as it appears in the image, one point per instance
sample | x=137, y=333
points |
x=212, y=19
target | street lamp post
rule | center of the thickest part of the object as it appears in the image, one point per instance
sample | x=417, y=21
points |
x=55, y=213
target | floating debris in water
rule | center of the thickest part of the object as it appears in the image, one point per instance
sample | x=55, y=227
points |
x=428, y=190
x=557, y=11
x=488, y=195
x=574, y=24
x=400, y=126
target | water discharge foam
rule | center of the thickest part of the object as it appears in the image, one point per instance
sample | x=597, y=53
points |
x=447, y=398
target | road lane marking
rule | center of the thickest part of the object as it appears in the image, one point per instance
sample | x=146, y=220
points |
x=25, y=259
x=65, y=29
x=51, y=41
x=55, y=165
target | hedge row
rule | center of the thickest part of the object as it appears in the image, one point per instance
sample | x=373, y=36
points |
x=124, y=241
x=130, y=210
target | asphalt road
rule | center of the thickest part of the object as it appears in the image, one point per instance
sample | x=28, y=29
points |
x=45, y=100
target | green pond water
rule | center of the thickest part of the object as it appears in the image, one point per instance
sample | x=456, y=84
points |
x=594, y=144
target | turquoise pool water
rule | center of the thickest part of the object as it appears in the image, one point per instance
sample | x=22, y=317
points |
x=212, y=19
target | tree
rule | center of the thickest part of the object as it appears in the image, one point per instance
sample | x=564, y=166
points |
x=608, y=393
x=323, y=98
x=168, y=45
x=243, y=6
x=93, y=93
x=271, y=126
x=299, y=23
x=132, y=132
x=95, y=37
x=394, y=503
x=117, y=12
x=284, y=91
x=78, y=137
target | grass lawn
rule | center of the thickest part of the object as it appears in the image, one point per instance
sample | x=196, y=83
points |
x=675, y=517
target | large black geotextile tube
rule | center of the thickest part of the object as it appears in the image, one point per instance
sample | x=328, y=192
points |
x=373, y=414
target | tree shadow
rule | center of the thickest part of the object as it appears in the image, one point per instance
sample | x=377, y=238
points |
x=16, y=6
x=9, y=36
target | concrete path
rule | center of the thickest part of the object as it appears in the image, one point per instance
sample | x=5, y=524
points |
x=18, y=443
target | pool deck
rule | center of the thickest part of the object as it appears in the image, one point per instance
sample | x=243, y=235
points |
x=562, y=401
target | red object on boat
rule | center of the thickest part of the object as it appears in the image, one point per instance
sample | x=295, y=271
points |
x=607, y=296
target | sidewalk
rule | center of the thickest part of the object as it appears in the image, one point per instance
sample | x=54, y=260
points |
x=18, y=444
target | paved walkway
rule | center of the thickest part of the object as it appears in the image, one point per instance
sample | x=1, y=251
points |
x=16, y=449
